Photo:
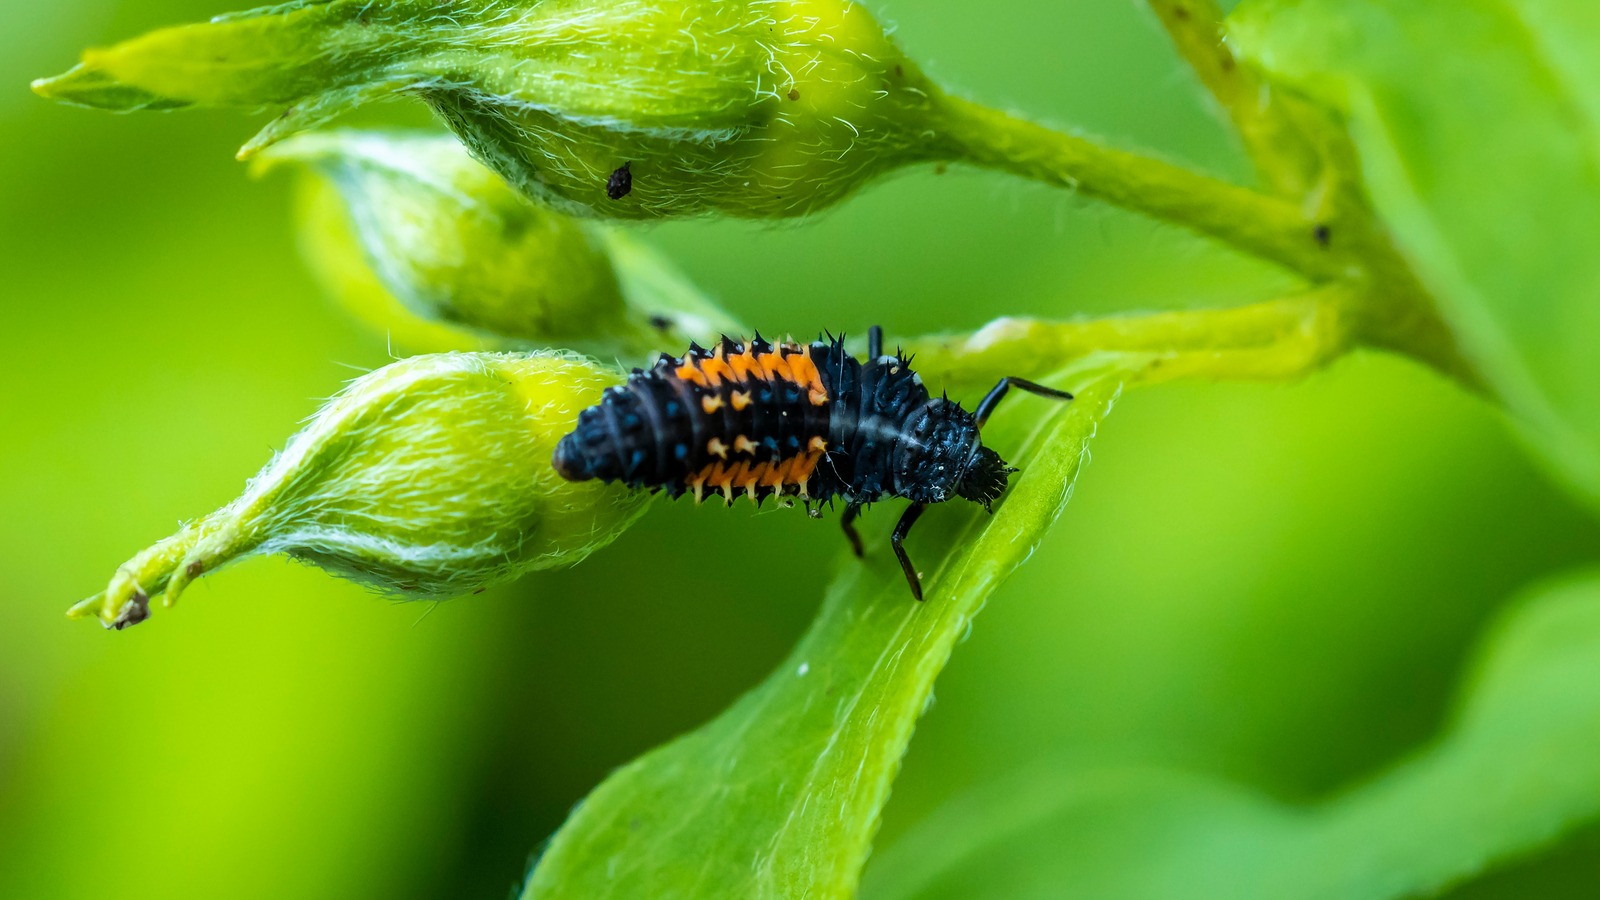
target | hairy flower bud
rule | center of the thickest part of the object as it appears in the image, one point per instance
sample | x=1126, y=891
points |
x=619, y=108
x=415, y=237
x=429, y=478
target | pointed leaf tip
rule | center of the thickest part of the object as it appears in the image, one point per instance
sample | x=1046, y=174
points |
x=87, y=85
x=92, y=87
x=86, y=608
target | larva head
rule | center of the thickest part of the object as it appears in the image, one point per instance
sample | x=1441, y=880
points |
x=985, y=477
x=934, y=456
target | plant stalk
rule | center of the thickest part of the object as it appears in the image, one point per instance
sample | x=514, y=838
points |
x=1278, y=340
x=1261, y=114
x=1261, y=225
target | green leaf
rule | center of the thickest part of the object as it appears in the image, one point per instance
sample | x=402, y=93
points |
x=780, y=795
x=1514, y=770
x=275, y=56
x=1478, y=124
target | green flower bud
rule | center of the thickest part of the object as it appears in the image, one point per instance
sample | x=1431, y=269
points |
x=429, y=478
x=415, y=237
x=757, y=108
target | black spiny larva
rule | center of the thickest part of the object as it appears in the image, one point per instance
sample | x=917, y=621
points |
x=810, y=421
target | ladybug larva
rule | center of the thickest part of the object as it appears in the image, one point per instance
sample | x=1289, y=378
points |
x=810, y=422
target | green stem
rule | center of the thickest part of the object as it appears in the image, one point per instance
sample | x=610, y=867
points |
x=1264, y=226
x=1261, y=114
x=1332, y=239
x=1279, y=340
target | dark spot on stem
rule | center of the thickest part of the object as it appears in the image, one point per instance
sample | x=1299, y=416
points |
x=195, y=569
x=794, y=93
x=133, y=612
x=1323, y=235
x=621, y=182
x=661, y=323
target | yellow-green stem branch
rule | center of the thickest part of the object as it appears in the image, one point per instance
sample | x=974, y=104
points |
x=1278, y=340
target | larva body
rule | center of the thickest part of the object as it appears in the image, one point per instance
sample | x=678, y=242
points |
x=804, y=421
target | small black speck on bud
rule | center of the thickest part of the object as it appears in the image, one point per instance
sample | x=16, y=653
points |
x=661, y=323
x=1323, y=235
x=794, y=93
x=620, y=182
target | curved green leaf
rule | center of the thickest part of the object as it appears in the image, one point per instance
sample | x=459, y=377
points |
x=780, y=795
x=1478, y=123
x=1516, y=769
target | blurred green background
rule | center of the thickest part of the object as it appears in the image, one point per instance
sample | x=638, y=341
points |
x=1275, y=584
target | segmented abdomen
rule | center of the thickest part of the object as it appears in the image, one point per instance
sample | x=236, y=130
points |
x=738, y=419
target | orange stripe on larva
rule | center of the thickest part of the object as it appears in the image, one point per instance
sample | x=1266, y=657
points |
x=806, y=465
x=717, y=371
x=790, y=475
x=691, y=373
x=755, y=475
x=790, y=362
x=778, y=473
x=805, y=374
x=776, y=366
x=746, y=366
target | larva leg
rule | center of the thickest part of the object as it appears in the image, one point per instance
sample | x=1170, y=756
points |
x=897, y=540
x=848, y=523
x=999, y=393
